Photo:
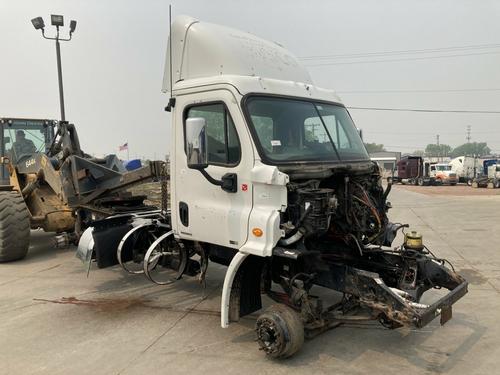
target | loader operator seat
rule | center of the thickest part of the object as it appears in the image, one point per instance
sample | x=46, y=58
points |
x=22, y=146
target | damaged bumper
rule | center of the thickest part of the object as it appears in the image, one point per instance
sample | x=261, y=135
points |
x=395, y=306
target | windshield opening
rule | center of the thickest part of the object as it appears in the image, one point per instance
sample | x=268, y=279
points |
x=298, y=130
x=443, y=167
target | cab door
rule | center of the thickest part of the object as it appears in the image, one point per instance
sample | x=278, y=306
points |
x=201, y=210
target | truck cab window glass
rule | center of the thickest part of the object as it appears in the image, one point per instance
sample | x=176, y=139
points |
x=299, y=130
x=222, y=138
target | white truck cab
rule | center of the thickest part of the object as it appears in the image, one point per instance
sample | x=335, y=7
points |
x=261, y=110
x=443, y=173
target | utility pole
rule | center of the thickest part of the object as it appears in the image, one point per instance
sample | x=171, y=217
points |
x=437, y=143
x=57, y=21
x=468, y=133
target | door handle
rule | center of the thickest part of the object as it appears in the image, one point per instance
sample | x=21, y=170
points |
x=184, y=213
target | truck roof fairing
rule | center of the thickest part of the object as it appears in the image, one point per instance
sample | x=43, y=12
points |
x=201, y=49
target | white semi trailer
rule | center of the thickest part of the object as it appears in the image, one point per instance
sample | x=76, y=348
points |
x=467, y=167
x=269, y=177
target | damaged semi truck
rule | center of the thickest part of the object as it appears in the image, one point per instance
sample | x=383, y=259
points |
x=269, y=177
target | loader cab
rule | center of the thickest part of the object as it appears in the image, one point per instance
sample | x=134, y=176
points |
x=22, y=137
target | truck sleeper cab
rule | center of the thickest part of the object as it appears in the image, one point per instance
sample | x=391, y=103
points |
x=270, y=178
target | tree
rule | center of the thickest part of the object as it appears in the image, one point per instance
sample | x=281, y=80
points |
x=374, y=147
x=418, y=153
x=474, y=148
x=437, y=150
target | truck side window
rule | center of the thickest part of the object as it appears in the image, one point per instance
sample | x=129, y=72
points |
x=222, y=139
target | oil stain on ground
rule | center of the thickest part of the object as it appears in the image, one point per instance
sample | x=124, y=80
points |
x=122, y=304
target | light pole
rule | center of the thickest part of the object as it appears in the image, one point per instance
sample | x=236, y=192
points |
x=57, y=21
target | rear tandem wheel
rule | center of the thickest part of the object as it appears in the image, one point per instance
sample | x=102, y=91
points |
x=14, y=227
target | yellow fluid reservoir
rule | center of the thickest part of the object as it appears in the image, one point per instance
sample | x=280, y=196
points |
x=413, y=240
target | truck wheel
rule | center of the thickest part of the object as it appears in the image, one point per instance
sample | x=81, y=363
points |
x=497, y=184
x=14, y=227
x=280, y=332
x=469, y=182
x=420, y=181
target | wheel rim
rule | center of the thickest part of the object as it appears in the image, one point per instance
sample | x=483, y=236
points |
x=122, y=243
x=270, y=337
x=154, y=256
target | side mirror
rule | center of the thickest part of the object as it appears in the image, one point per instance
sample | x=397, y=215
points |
x=196, y=143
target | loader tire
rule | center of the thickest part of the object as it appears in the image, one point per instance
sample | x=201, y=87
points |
x=14, y=227
x=280, y=331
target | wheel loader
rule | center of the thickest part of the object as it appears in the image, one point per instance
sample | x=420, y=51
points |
x=269, y=177
x=48, y=182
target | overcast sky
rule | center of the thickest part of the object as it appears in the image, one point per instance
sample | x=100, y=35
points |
x=113, y=67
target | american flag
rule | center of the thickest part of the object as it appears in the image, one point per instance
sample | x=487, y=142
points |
x=123, y=147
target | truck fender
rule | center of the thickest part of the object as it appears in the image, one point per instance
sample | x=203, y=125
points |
x=232, y=269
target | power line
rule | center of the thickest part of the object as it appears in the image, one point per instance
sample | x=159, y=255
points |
x=422, y=110
x=403, y=59
x=399, y=52
x=390, y=91
x=431, y=133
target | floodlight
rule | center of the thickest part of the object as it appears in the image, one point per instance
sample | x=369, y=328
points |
x=72, y=26
x=57, y=20
x=38, y=23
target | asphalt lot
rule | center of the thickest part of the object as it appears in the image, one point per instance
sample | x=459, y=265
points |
x=54, y=320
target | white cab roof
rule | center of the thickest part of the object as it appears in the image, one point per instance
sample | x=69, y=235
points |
x=201, y=50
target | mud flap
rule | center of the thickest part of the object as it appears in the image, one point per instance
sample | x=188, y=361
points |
x=245, y=293
x=101, y=240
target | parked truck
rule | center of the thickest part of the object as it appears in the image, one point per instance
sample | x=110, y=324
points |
x=413, y=170
x=269, y=177
x=467, y=168
x=442, y=173
x=490, y=175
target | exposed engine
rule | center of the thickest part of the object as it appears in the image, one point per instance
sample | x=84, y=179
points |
x=347, y=208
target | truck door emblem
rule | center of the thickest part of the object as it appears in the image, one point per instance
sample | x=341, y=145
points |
x=244, y=187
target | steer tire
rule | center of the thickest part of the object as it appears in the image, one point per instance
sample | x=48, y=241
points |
x=14, y=227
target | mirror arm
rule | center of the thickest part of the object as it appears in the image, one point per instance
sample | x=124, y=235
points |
x=210, y=178
x=228, y=183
